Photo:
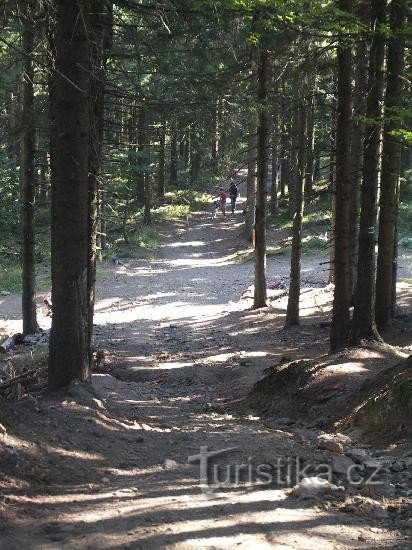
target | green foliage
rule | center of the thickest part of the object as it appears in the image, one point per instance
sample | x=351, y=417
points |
x=406, y=242
x=146, y=237
x=10, y=277
x=313, y=243
x=9, y=194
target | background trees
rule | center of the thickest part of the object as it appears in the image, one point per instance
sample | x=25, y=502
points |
x=145, y=101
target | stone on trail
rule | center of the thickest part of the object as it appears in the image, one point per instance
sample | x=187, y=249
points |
x=329, y=444
x=357, y=455
x=170, y=464
x=314, y=487
x=341, y=464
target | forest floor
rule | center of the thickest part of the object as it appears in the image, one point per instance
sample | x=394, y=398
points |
x=179, y=345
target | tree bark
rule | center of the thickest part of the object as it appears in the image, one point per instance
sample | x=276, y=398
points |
x=340, y=328
x=391, y=155
x=147, y=218
x=251, y=182
x=97, y=25
x=141, y=155
x=274, y=202
x=310, y=148
x=173, y=153
x=215, y=140
x=364, y=326
x=332, y=188
x=292, y=311
x=68, y=350
x=261, y=192
x=161, y=182
x=358, y=133
x=27, y=173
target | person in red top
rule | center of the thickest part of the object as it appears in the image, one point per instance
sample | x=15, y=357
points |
x=222, y=199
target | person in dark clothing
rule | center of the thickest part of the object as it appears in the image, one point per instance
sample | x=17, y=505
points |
x=233, y=194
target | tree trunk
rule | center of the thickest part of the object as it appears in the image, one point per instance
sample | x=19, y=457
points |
x=27, y=173
x=292, y=311
x=215, y=140
x=284, y=156
x=391, y=154
x=147, y=218
x=141, y=152
x=274, y=202
x=68, y=350
x=251, y=182
x=340, y=328
x=332, y=190
x=261, y=193
x=358, y=133
x=96, y=111
x=395, y=251
x=294, y=153
x=310, y=148
x=161, y=167
x=316, y=163
x=364, y=309
x=173, y=154
x=43, y=183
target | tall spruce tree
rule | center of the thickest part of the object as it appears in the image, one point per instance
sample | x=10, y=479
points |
x=341, y=300
x=69, y=353
x=364, y=326
x=391, y=156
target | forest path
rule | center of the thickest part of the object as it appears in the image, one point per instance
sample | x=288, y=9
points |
x=112, y=471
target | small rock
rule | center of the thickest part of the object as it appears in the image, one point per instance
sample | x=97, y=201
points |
x=105, y=480
x=362, y=538
x=384, y=490
x=356, y=434
x=357, y=455
x=329, y=444
x=398, y=466
x=375, y=530
x=170, y=464
x=341, y=464
x=313, y=487
x=344, y=439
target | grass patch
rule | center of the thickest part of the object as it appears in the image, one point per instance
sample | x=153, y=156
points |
x=313, y=243
x=194, y=200
x=170, y=212
x=145, y=236
x=406, y=242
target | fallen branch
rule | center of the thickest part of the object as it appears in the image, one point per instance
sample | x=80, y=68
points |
x=25, y=378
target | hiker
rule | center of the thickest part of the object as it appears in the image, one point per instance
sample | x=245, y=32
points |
x=233, y=194
x=222, y=200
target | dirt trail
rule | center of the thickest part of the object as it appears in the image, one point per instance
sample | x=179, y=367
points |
x=111, y=470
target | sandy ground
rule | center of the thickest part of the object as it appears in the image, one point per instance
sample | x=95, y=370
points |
x=112, y=469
